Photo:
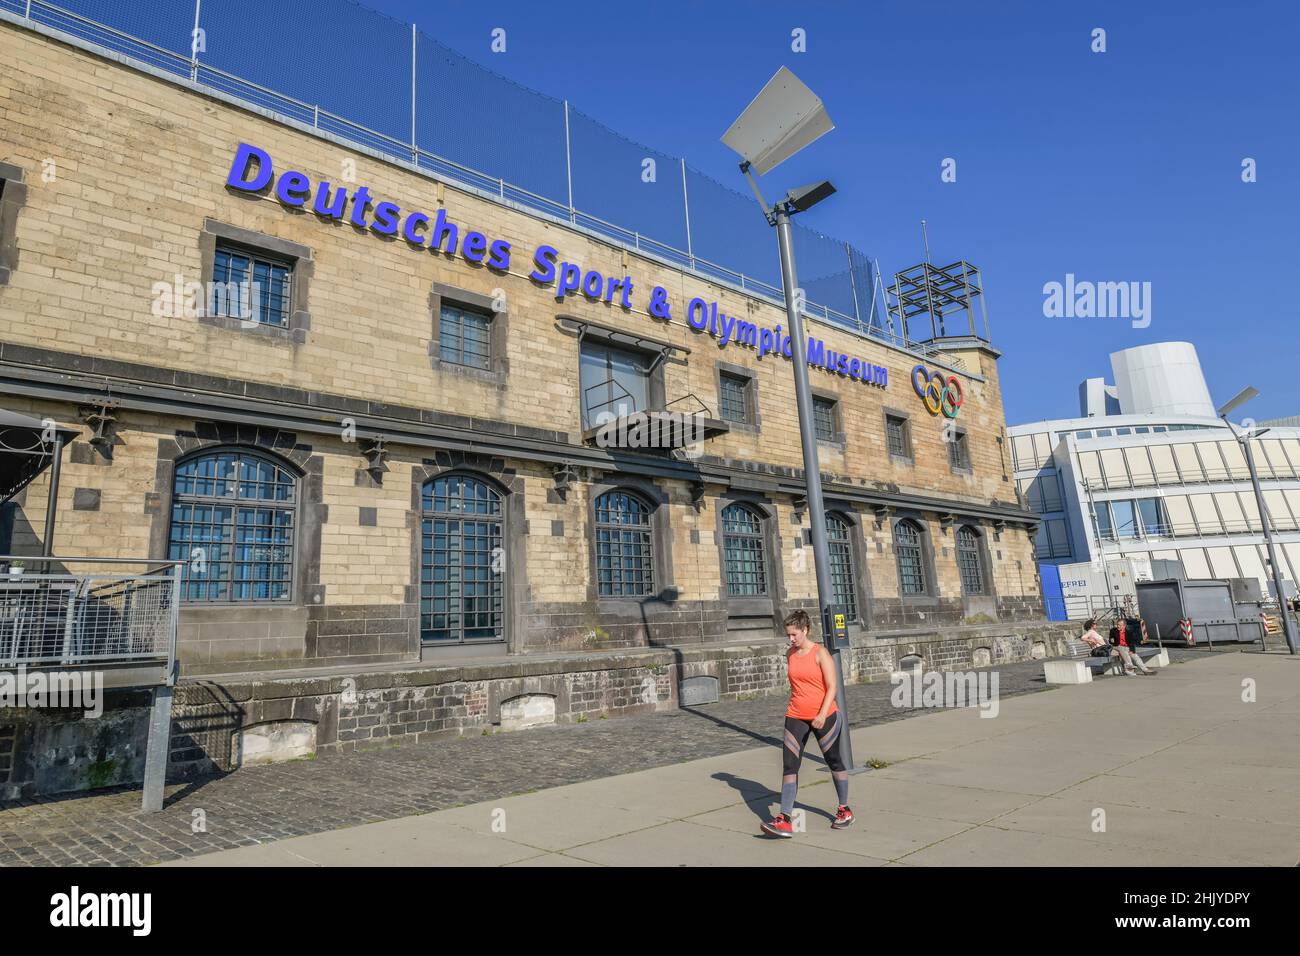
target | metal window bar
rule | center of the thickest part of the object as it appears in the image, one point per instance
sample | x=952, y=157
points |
x=743, y=548
x=824, y=419
x=843, y=576
x=733, y=399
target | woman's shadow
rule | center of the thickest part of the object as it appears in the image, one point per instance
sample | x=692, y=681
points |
x=759, y=797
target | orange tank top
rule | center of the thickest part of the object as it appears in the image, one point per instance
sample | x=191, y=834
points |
x=807, y=686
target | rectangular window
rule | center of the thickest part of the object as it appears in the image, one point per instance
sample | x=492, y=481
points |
x=1052, y=540
x=1112, y=462
x=1057, y=538
x=896, y=436
x=250, y=287
x=1125, y=519
x=465, y=337
x=614, y=383
x=1051, y=485
x=824, y=418
x=1104, y=527
x=733, y=398
x=1154, y=521
x=958, y=452
x=1022, y=452
x=1234, y=519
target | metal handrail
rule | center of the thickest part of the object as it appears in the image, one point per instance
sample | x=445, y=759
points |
x=589, y=409
x=90, y=619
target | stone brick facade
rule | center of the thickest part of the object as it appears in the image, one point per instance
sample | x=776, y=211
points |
x=356, y=404
x=79, y=327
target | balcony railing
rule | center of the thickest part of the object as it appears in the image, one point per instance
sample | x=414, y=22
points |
x=51, y=617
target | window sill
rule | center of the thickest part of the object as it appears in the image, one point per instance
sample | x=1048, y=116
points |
x=744, y=428
x=493, y=376
x=294, y=333
x=750, y=607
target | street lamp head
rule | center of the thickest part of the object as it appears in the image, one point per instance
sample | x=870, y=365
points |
x=805, y=197
x=1241, y=398
x=783, y=118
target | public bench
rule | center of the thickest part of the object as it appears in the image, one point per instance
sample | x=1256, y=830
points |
x=1080, y=666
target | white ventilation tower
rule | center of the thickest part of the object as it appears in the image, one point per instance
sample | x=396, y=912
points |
x=1164, y=378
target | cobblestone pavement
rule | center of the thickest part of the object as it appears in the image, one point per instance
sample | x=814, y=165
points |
x=262, y=804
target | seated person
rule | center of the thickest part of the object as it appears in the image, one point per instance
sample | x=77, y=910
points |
x=1120, y=641
x=1095, y=641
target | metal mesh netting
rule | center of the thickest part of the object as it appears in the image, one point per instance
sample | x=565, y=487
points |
x=727, y=228
x=483, y=121
x=625, y=183
x=346, y=59
x=347, y=70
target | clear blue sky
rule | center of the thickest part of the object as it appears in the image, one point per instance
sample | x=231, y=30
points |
x=1115, y=166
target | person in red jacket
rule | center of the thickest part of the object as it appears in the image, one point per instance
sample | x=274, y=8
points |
x=1119, y=638
x=812, y=710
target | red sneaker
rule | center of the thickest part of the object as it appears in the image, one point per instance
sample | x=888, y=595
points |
x=843, y=819
x=778, y=826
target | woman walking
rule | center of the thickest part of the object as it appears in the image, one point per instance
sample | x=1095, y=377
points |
x=812, y=710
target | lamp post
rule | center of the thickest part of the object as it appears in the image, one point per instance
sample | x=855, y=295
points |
x=1241, y=398
x=784, y=118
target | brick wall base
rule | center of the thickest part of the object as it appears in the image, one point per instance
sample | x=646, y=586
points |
x=223, y=725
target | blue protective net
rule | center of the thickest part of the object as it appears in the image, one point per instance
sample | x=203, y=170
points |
x=348, y=70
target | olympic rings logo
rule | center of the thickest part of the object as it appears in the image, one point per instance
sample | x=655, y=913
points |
x=939, y=396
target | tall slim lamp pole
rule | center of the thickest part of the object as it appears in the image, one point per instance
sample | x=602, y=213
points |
x=784, y=118
x=1245, y=395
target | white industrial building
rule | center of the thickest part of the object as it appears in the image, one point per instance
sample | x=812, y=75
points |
x=1146, y=474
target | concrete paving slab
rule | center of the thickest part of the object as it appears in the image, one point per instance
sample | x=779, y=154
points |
x=1036, y=772
x=552, y=859
x=1176, y=768
x=410, y=841
x=1234, y=803
x=549, y=820
x=991, y=846
x=682, y=843
x=1224, y=839
x=878, y=834
x=954, y=803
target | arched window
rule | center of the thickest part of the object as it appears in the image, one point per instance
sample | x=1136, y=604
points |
x=843, y=579
x=911, y=558
x=969, y=562
x=624, y=548
x=744, y=551
x=232, y=523
x=462, y=568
